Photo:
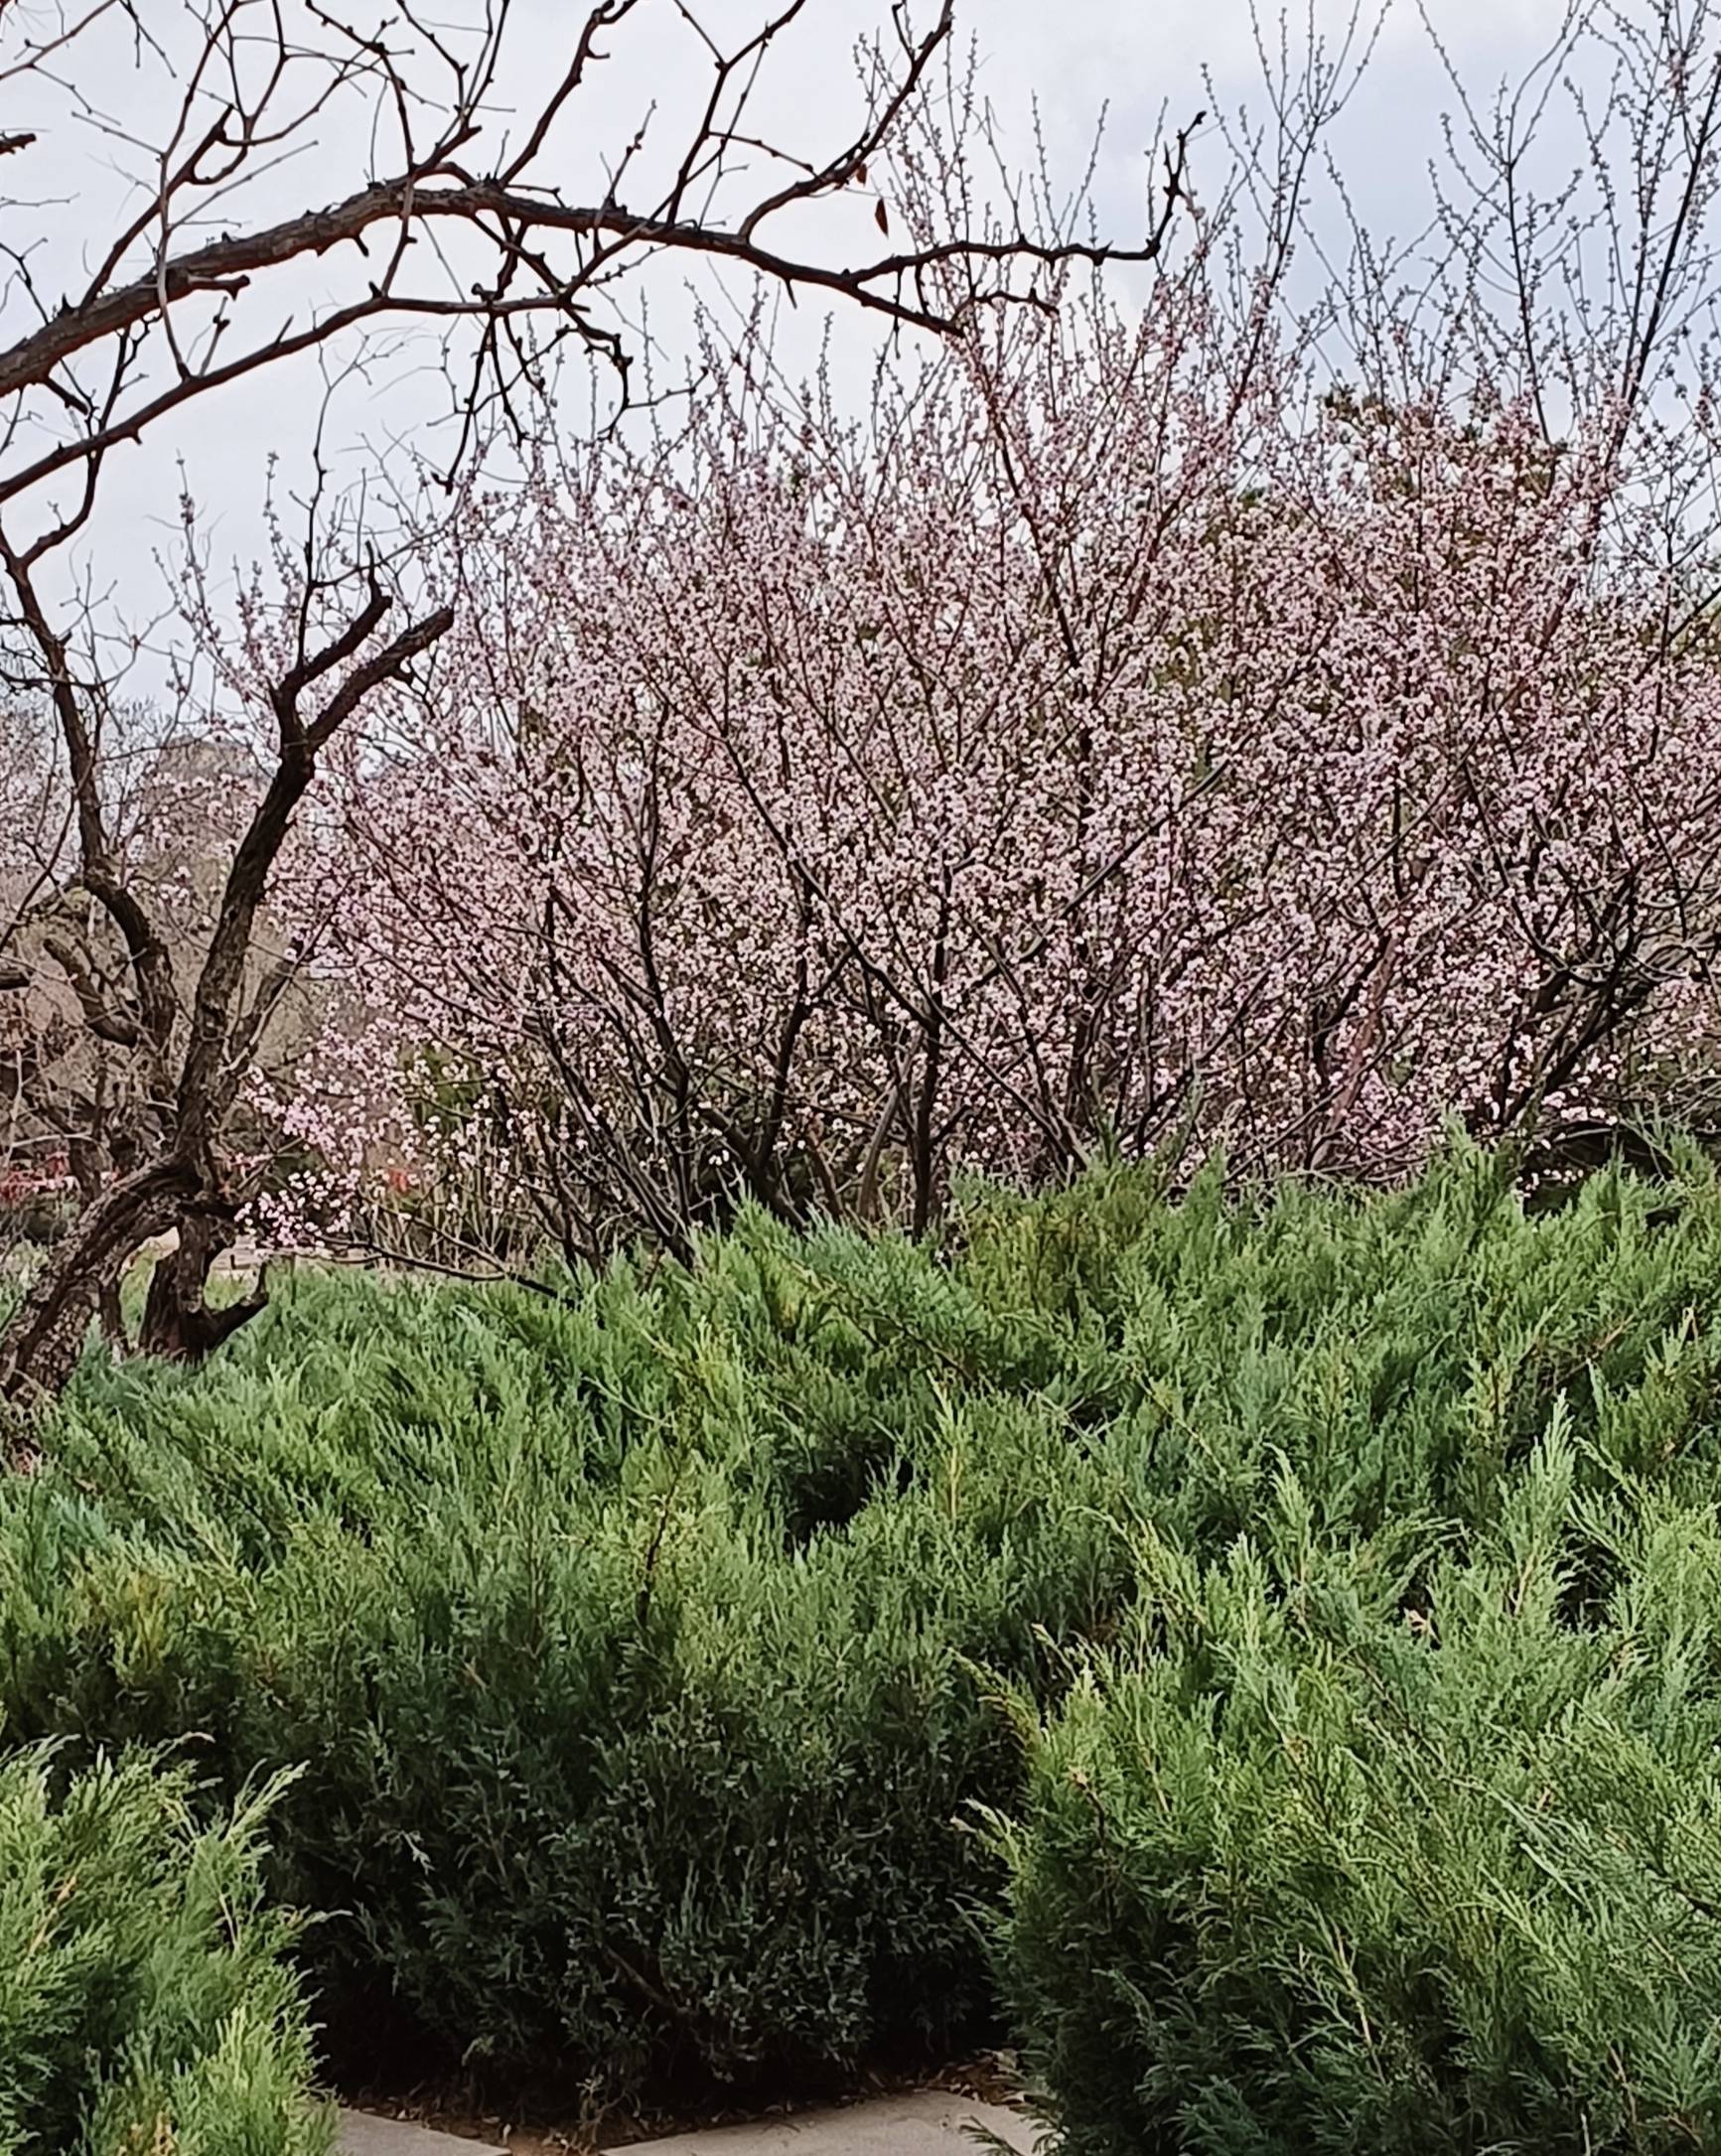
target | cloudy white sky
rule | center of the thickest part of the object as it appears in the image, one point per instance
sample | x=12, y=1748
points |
x=1134, y=59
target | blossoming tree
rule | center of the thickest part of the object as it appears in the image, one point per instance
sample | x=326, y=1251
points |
x=1135, y=723
x=510, y=241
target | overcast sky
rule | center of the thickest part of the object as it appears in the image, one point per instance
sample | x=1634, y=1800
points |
x=1132, y=59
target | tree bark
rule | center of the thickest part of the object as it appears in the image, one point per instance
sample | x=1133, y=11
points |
x=177, y=1321
x=41, y=1343
x=111, y=1315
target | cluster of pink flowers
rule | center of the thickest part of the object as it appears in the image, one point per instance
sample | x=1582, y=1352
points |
x=1115, y=733
x=1266, y=702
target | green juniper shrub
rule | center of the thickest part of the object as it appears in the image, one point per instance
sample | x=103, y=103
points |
x=1300, y=1869
x=604, y=1766
x=146, y=2001
x=648, y=1651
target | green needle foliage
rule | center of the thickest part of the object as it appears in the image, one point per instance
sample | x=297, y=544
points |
x=146, y=2003
x=1260, y=1649
x=1306, y=1867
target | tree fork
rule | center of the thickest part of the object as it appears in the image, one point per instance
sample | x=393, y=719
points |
x=179, y=1323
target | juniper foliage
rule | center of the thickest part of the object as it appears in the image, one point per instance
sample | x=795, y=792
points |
x=693, y=1676
x=146, y=2001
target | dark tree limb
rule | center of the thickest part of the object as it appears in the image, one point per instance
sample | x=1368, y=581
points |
x=184, y=1187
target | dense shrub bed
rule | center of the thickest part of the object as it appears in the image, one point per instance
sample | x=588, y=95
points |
x=1299, y=1873
x=1268, y=1647
x=637, y=1650
x=145, y=2001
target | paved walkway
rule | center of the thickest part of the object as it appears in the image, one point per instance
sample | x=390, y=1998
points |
x=362, y=2134
x=929, y=2124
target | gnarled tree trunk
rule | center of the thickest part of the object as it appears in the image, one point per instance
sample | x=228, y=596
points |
x=196, y=1069
x=42, y=1342
x=177, y=1320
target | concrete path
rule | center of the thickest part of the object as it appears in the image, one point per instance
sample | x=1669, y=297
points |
x=364, y=2134
x=926, y=2124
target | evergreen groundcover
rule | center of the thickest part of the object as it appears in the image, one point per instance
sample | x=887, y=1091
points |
x=146, y=2006
x=1263, y=1655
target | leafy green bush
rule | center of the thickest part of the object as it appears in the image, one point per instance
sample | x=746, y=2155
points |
x=649, y=1651
x=1306, y=1866
x=611, y=1759
x=145, y=2004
